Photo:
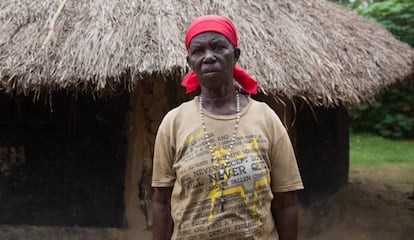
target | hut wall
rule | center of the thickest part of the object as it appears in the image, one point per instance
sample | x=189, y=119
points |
x=322, y=146
x=150, y=101
x=62, y=166
x=322, y=150
x=138, y=150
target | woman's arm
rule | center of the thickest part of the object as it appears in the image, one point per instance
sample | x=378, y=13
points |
x=285, y=213
x=162, y=225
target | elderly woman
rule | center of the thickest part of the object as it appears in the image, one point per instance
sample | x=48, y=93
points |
x=224, y=167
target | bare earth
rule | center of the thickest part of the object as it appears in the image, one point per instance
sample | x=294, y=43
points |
x=380, y=207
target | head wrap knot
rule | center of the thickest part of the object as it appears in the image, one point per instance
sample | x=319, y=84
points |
x=224, y=26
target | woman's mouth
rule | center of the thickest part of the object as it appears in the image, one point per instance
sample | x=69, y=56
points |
x=209, y=71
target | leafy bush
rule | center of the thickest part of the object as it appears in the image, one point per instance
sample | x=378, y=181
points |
x=396, y=15
x=392, y=115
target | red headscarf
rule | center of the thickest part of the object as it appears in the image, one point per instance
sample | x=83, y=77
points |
x=222, y=25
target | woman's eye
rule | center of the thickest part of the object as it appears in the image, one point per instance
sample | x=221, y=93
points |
x=218, y=47
x=196, y=51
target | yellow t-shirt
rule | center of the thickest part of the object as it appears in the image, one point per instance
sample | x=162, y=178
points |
x=262, y=161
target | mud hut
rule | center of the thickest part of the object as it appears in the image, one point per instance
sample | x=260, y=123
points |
x=85, y=84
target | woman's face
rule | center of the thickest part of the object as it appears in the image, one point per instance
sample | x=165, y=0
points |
x=212, y=57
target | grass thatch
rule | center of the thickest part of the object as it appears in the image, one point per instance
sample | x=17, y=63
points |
x=312, y=49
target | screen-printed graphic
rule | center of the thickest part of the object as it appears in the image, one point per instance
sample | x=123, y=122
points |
x=246, y=182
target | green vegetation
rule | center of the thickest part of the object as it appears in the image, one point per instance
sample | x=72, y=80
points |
x=396, y=15
x=371, y=149
x=392, y=115
x=382, y=159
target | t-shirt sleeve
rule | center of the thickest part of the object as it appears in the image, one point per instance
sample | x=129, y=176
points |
x=163, y=174
x=284, y=171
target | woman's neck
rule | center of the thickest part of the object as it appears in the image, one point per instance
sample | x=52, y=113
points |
x=223, y=104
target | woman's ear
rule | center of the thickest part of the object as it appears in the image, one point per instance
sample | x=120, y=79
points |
x=236, y=55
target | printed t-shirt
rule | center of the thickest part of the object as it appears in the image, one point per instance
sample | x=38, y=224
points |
x=262, y=161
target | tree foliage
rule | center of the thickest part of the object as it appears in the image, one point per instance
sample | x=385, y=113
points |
x=392, y=115
x=396, y=15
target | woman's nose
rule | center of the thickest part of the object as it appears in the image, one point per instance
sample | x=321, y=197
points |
x=209, y=56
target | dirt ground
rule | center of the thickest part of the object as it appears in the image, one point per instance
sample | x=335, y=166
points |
x=380, y=207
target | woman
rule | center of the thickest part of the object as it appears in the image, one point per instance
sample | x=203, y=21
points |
x=224, y=167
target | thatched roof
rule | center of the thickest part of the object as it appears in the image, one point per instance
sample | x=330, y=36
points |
x=312, y=49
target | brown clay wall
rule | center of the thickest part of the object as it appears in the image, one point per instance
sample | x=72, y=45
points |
x=150, y=101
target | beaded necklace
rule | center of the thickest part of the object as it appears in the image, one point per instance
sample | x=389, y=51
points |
x=216, y=159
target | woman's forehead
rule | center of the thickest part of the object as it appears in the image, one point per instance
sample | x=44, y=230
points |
x=208, y=36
